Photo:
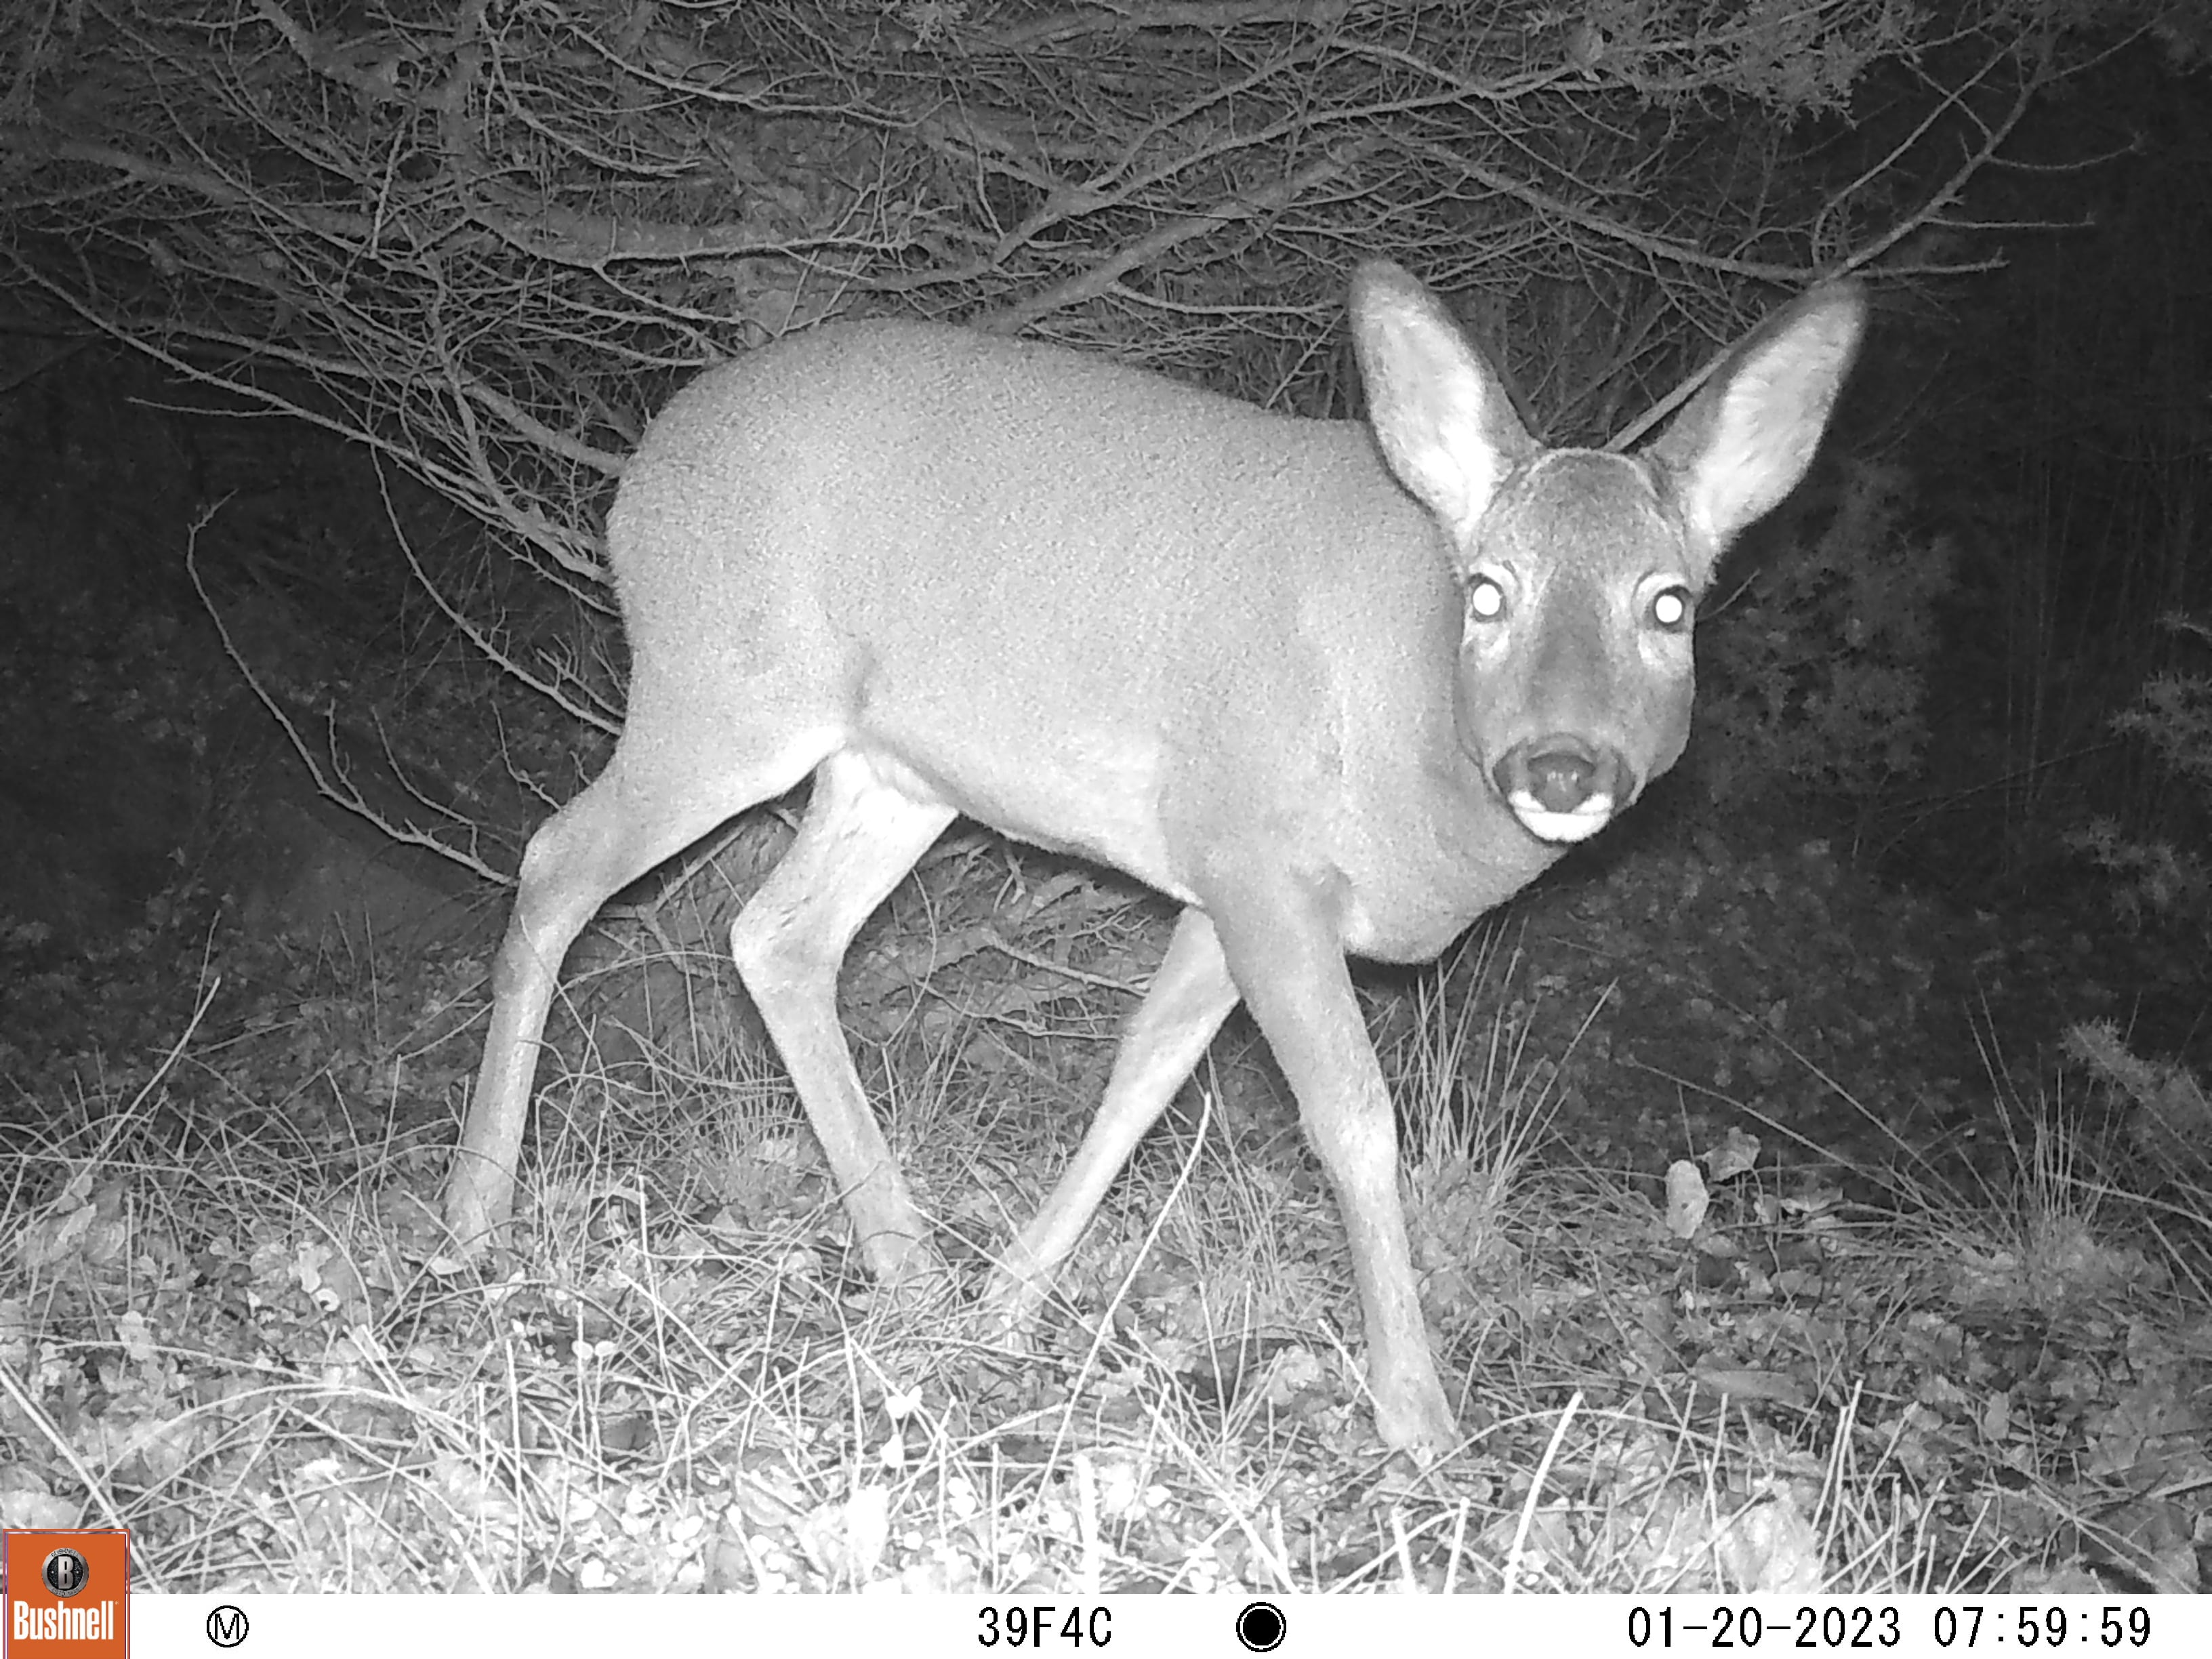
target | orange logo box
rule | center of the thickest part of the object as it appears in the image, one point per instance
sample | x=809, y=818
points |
x=64, y=1595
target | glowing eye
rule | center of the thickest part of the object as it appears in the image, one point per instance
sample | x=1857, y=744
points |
x=1486, y=600
x=1670, y=608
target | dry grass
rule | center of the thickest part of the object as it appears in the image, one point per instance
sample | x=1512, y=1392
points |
x=225, y=1321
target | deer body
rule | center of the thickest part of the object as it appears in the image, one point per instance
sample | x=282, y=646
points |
x=956, y=665
x=1333, y=688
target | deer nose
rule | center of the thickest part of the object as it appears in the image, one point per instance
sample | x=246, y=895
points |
x=1560, y=777
x=1562, y=788
x=1563, y=771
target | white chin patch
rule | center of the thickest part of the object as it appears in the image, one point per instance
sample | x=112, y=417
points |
x=1563, y=828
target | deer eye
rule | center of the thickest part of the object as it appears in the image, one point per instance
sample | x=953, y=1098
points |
x=1671, y=609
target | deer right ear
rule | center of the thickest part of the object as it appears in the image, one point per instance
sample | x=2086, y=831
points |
x=1747, y=438
x=1440, y=412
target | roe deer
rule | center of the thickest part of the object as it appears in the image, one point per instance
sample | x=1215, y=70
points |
x=1333, y=686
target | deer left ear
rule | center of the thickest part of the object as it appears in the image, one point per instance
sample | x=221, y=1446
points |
x=1747, y=438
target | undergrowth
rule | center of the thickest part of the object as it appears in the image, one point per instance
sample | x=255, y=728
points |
x=1739, y=1375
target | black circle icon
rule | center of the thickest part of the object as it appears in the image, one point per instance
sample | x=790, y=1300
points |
x=1261, y=1627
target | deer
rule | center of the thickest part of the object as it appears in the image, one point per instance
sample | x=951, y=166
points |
x=1337, y=688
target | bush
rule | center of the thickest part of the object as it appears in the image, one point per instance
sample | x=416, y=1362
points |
x=1815, y=672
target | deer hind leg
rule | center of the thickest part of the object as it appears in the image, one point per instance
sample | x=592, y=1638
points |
x=653, y=799
x=1189, y=998
x=860, y=834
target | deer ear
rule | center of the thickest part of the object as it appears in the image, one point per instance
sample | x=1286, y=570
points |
x=1439, y=412
x=1746, y=439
